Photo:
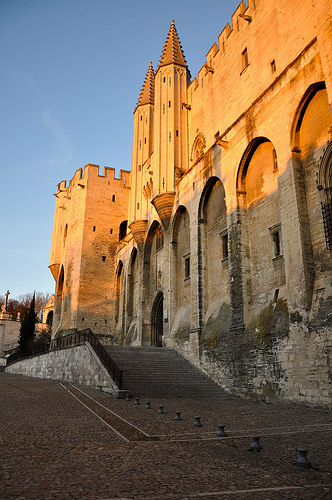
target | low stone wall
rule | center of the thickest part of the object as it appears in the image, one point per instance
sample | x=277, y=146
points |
x=78, y=364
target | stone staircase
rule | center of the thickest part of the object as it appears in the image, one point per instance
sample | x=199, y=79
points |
x=159, y=372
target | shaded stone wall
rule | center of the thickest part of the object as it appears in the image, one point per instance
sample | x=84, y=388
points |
x=77, y=364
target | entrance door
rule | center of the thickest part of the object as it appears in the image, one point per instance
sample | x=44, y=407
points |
x=157, y=320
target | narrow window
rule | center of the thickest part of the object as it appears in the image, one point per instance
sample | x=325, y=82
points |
x=103, y=258
x=275, y=161
x=276, y=243
x=111, y=231
x=273, y=66
x=137, y=206
x=170, y=81
x=140, y=144
x=245, y=59
x=164, y=79
x=113, y=197
x=144, y=140
x=164, y=109
x=169, y=104
x=139, y=168
x=94, y=228
x=224, y=241
x=170, y=137
x=177, y=133
x=187, y=267
x=141, y=117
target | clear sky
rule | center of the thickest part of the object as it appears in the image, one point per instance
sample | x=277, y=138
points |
x=70, y=75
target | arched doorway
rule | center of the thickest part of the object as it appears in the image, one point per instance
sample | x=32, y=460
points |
x=157, y=319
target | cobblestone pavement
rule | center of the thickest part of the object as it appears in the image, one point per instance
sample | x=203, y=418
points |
x=60, y=443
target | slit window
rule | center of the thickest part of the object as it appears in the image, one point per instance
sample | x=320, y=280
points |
x=113, y=197
x=245, y=59
x=103, y=258
x=273, y=66
x=94, y=228
x=187, y=267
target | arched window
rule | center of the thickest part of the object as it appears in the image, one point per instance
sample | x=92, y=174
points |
x=123, y=230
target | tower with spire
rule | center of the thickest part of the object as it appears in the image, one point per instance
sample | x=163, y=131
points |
x=160, y=149
x=142, y=180
x=170, y=122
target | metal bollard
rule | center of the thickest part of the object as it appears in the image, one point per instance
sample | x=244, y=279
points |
x=197, y=422
x=148, y=405
x=178, y=416
x=161, y=410
x=221, y=432
x=302, y=461
x=137, y=401
x=255, y=446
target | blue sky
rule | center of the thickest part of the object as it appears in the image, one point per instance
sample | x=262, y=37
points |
x=70, y=75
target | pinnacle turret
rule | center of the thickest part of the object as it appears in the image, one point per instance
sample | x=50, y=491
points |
x=172, y=52
x=147, y=92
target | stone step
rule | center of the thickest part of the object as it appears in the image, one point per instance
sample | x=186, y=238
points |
x=157, y=372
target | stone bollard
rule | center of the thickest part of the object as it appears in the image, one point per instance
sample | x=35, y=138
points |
x=137, y=401
x=148, y=405
x=161, y=410
x=302, y=461
x=178, y=416
x=197, y=422
x=255, y=446
x=221, y=432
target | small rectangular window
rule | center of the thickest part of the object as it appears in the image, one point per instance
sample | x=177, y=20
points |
x=169, y=104
x=113, y=197
x=273, y=66
x=103, y=258
x=139, y=168
x=164, y=107
x=94, y=228
x=276, y=243
x=275, y=161
x=177, y=133
x=187, y=267
x=111, y=231
x=245, y=59
x=170, y=137
x=144, y=140
x=141, y=117
x=225, y=246
x=170, y=81
x=276, y=240
x=164, y=79
x=137, y=206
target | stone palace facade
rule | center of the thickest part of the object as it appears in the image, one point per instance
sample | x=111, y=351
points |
x=218, y=241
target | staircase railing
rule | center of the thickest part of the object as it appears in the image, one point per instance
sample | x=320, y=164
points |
x=73, y=339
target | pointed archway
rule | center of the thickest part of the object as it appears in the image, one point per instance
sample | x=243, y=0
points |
x=157, y=319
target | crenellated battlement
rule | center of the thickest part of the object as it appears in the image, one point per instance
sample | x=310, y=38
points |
x=242, y=17
x=92, y=171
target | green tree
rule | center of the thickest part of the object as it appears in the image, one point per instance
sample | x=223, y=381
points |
x=27, y=329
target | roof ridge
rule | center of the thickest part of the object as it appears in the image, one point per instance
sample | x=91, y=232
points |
x=147, y=93
x=172, y=51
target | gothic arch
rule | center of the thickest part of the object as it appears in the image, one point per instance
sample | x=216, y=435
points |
x=205, y=194
x=157, y=318
x=300, y=112
x=152, y=276
x=213, y=280
x=118, y=291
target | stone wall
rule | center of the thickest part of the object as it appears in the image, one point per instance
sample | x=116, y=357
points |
x=78, y=364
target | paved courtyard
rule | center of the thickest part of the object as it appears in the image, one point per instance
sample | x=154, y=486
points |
x=58, y=442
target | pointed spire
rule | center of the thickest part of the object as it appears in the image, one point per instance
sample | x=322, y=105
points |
x=147, y=92
x=172, y=52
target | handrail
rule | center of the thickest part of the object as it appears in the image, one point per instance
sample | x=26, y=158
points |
x=87, y=336
x=75, y=339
